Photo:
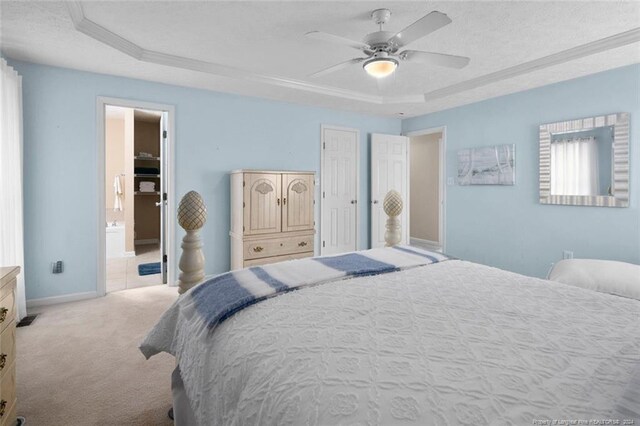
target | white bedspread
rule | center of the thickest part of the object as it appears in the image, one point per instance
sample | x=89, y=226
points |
x=445, y=344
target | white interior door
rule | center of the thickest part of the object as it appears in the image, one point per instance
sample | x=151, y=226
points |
x=339, y=186
x=389, y=170
x=164, y=118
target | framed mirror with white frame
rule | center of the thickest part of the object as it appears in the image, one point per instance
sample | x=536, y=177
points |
x=585, y=162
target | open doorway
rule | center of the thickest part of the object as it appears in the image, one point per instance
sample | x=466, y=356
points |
x=133, y=241
x=426, y=189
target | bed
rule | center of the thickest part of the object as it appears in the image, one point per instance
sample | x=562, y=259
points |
x=428, y=340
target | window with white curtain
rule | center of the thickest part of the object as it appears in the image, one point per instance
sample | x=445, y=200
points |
x=11, y=226
x=574, y=167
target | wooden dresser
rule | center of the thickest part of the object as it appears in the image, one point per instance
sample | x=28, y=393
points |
x=8, y=345
x=272, y=216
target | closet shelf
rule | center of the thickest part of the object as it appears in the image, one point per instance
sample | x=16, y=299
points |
x=146, y=193
x=145, y=175
x=147, y=158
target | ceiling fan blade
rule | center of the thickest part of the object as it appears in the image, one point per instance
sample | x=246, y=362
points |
x=337, y=67
x=423, y=26
x=449, y=61
x=331, y=38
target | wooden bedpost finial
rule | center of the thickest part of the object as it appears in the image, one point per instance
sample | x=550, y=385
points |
x=392, y=206
x=192, y=215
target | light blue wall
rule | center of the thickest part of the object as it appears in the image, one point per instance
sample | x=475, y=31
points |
x=499, y=226
x=216, y=133
x=505, y=226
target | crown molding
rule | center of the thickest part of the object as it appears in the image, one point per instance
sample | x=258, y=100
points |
x=405, y=100
x=608, y=43
x=100, y=33
x=94, y=30
x=103, y=35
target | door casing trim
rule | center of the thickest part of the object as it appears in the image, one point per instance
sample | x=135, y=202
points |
x=443, y=178
x=101, y=103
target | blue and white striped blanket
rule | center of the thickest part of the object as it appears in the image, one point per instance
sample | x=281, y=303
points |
x=210, y=303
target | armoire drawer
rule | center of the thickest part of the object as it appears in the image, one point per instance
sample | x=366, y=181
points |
x=7, y=307
x=257, y=249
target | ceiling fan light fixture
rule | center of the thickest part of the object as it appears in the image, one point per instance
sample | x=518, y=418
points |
x=380, y=67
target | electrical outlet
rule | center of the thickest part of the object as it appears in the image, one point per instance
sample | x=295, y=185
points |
x=450, y=181
x=567, y=254
x=57, y=267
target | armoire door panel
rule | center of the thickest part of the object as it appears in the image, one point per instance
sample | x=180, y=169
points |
x=297, y=202
x=263, y=204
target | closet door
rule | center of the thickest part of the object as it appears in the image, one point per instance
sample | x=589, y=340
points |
x=297, y=202
x=389, y=170
x=262, y=203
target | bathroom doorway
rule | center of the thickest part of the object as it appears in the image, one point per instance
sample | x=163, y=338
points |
x=135, y=197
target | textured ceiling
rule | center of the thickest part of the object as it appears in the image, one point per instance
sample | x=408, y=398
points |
x=267, y=39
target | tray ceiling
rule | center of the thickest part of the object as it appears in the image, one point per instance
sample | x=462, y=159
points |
x=259, y=48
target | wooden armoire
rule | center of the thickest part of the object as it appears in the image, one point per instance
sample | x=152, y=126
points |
x=272, y=216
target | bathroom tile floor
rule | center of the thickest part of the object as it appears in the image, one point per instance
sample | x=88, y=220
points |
x=122, y=272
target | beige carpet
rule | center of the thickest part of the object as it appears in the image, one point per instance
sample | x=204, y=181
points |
x=79, y=364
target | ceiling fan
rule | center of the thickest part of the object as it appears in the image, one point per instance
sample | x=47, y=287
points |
x=382, y=48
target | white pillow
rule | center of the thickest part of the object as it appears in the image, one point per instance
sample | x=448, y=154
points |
x=605, y=276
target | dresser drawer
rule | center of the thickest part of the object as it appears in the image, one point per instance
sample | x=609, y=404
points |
x=7, y=348
x=7, y=393
x=256, y=249
x=7, y=288
x=275, y=259
x=11, y=415
x=7, y=309
x=8, y=404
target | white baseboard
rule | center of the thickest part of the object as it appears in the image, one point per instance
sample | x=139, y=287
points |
x=149, y=241
x=54, y=300
x=428, y=244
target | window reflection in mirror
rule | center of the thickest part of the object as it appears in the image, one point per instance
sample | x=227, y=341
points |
x=581, y=162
